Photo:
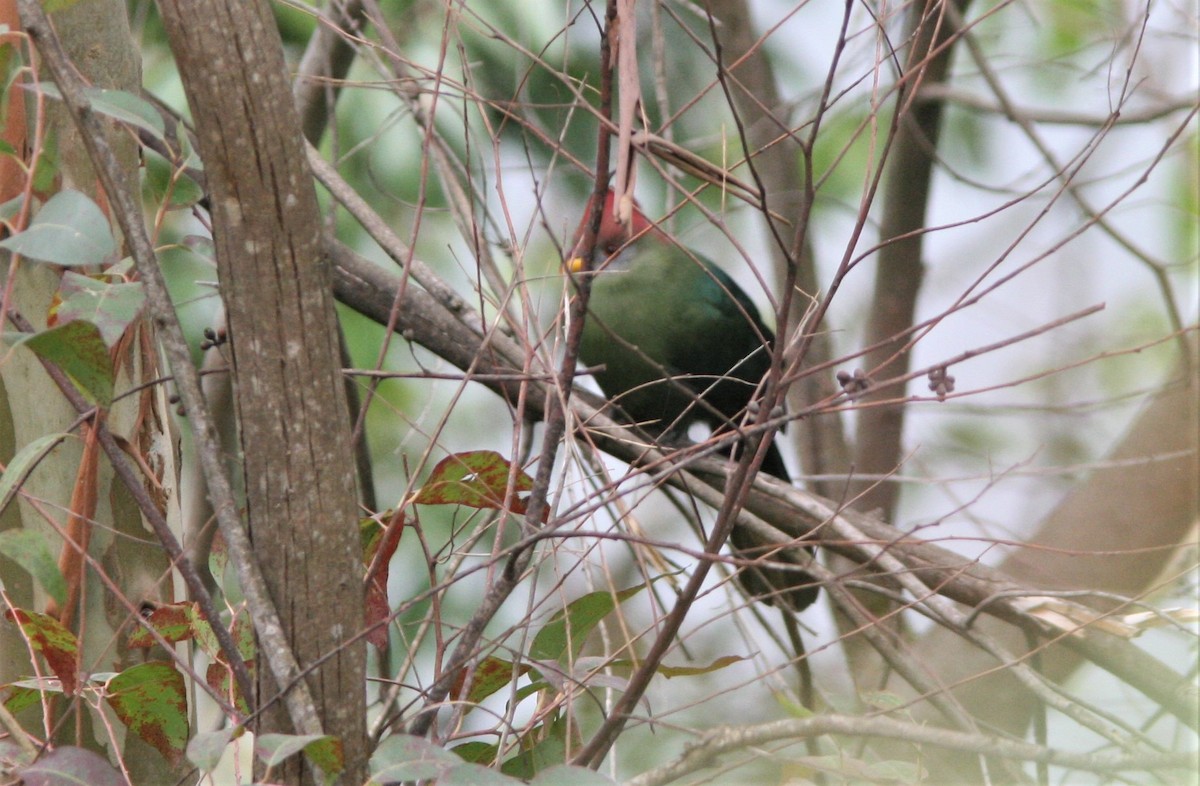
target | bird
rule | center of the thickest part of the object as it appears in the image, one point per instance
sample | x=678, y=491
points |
x=675, y=341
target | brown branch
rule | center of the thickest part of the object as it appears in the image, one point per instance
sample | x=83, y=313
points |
x=901, y=267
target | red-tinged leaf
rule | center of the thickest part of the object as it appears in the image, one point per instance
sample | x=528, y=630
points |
x=218, y=557
x=693, y=671
x=175, y=622
x=219, y=677
x=477, y=479
x=322, y=750
x=57, y=645
x=377, y=610
x=67, y=765
x=489, y=676
x=242, y=633
x=379, y=544
x=243, y=636
x=19, y=698
x=151, y=700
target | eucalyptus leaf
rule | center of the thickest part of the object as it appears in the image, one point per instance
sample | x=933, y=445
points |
x=69, y=230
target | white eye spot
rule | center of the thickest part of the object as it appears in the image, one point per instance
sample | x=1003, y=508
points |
x=699, y=431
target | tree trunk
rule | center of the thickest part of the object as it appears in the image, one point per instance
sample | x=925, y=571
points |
x=275, y=283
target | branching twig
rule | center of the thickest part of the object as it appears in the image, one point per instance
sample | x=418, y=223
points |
x=724, y=740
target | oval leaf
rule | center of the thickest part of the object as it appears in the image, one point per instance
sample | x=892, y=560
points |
x=68, y=765
x=57, y=644
x=30, y=550
x=321, y=749
x=79, y=350
x=207, y=747
x=151, y=700
x=569, y=627
x=69, y=230
x=477, y=479
x=174, y=622
x=23, y=463
x=111, y=307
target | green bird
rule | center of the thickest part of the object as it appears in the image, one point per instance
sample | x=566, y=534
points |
x=678, y=342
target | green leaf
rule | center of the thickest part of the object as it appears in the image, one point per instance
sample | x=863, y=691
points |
x=549, y=747
x=46, y=169
x=30, y=550
x=206, y=748
x=21, y=697
x=476, y=752
x=68, y=765
x=9, y=209
x=23, y=463
x=79, y=350
x=403, y=757
x=161, y=180
x=321, y=749
x=69, y=230
x=569, y=628
x=57, y=644
x=117, y=104
x=112, y=307
x=150, y=699
x=477, y=479
x=489, y=676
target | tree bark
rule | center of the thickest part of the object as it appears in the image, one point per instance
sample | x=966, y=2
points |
x=275, y=283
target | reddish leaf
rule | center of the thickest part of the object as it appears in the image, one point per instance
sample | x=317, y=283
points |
x=379, y=545
x=490, y=675
x=175, y=622
x=220, y=678
x=151, y=700
x=377, y=611
x=57, y=645
x=218, y=675
x=477, y=479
